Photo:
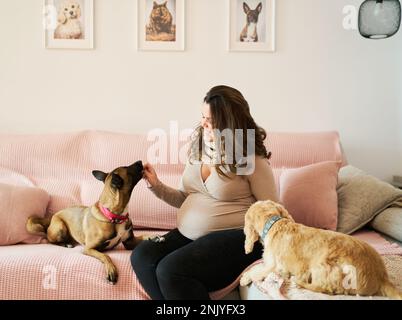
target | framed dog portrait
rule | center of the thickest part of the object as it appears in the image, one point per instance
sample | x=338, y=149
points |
x=68, y=24
x=252, y=25
x=161, y=25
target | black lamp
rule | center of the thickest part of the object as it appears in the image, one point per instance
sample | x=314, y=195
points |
x=379, y=19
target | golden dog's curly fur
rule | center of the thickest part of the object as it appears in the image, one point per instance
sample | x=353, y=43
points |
x=319, y=260
x=69, y=26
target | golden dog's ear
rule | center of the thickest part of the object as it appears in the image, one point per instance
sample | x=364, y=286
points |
x=78, y=11
x=284, y=213
x=251, y=237
x=62, y=17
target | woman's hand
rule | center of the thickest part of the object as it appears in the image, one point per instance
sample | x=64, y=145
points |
x=149, y=174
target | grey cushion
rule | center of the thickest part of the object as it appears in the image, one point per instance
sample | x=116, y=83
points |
x=389, y=222
x=361, y=197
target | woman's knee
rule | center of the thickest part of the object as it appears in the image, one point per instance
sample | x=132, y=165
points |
x=166, y=269
x=176, y=282
x=141, y=256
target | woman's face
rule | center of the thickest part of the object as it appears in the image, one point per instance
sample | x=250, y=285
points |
x=206, y=122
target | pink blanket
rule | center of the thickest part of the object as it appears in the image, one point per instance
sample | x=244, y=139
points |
x=379, y=243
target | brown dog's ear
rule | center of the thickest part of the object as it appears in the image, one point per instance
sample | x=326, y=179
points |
x=101, y=176
x=246, y=8
x=259, y=7
x=251, y=237
x=61, y=18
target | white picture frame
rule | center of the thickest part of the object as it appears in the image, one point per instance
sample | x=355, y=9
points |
x=156, y=36
x=68, y=24
x=244, y=33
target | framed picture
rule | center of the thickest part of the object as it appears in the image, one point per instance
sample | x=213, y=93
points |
x=252, y=25
x=161, y=25
x=68, y=24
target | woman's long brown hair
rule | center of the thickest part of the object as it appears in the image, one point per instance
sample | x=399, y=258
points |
x=229, y=110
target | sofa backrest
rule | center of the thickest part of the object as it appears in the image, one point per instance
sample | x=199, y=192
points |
x=62, y=164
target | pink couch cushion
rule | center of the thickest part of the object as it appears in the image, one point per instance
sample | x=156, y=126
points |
x=17, y=204
x=51, y=272
x=9, y=176
x=309, y=194
x=294, y=150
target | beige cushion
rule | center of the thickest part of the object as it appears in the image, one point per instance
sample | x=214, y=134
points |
x=361, y=197
x=389, y=222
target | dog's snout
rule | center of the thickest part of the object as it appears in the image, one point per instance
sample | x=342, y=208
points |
x=138, y=165
x=136, y=168
x=71, y=12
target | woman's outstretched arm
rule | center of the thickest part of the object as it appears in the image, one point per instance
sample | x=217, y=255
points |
x=173, y=197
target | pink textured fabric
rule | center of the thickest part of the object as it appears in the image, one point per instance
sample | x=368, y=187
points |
x=17, y=204
x=294, y=150
x=374, y=239
x=47, y=272
x=9, y=176
x=309, y=194
x=51, y=272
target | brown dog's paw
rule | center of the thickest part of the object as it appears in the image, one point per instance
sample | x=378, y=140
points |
x=112, y=274
x=112, y=278
x=157, y=239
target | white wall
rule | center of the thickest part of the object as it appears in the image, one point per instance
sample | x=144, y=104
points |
x=321, y=77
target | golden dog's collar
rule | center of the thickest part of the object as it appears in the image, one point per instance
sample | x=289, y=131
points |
x=268, y=225
x=112, y=217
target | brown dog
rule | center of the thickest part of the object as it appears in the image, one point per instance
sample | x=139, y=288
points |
x=319, y=260
x=249, y=32
x=101, y=226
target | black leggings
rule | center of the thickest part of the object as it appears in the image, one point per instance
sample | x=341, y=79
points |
x=182, y=269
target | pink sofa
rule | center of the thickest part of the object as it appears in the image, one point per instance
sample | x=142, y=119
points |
x=61, y=164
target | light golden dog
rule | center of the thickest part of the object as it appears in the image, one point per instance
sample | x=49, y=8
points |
x=319, y=260
x=69, y=26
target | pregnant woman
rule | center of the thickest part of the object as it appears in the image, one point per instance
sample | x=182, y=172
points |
x=206, y=251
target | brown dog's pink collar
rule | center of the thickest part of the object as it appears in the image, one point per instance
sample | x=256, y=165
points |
x=113, y=218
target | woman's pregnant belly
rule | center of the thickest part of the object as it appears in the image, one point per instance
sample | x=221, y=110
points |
x=201, y=214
